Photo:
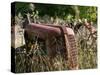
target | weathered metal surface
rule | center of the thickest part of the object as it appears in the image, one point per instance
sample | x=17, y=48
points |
x=48, y=31
x=43, y=31
x=90, y=27
x=71, y=49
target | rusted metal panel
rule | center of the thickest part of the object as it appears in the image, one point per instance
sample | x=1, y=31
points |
x=43, y=31
x=71, y=49
x=47, y=31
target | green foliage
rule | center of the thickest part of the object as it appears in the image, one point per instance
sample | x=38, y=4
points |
x=23, y=8
x=89, y=13
x=40, y=61
x=61, y=11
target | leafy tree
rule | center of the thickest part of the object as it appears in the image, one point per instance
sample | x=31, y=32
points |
x=57, y=10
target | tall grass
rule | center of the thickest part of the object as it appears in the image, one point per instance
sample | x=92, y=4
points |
x=37, y=60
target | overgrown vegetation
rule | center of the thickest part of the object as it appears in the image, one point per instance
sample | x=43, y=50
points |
x=37, y=60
